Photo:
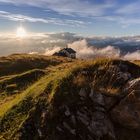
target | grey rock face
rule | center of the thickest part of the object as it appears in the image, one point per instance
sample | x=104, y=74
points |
x=127, y=113
x=90, y=121
x=97, y=98
x=96, y=115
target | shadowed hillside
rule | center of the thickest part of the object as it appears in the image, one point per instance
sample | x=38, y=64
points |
x=16, y=63
x=55, y=98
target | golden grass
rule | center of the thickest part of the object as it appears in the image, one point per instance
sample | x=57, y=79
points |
x=49, y=85
x=137, y=62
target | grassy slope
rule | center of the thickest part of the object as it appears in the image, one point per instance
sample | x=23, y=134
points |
x=52, y=90
x=137, y=62
x=14, y=64
x=14, y=108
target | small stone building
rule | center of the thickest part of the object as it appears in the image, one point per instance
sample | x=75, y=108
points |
x=66, y=52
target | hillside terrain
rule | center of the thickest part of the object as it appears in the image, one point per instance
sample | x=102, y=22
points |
x=56, y=98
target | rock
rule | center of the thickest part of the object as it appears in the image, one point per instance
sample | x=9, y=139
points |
x=127, y=112
x=111, y=101
x=39, y=132
x=96, y=120
x=59, y=129
x=73, y=131
x=101, y=127
x=83, y=118
x=123, y=76
x=133, y=85
x=82, y=92
x=67, y=112
x=98, y=115
x=119, y=75
x=66, y=126
x=73, y=119
x=99, y=108
x=97, y=98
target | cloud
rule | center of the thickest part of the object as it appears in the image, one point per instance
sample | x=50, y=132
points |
x=51, y=51
x=85, y=51
x=132, y=56
x=129, y=9
x=68, y=7
x=49, y=43
x=57, y=21
x=128, y=14
x=110, y=10
x=38, y=42
x=122, y=20
x=33, y=53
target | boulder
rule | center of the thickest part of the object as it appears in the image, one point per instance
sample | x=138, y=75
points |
x=127, y=112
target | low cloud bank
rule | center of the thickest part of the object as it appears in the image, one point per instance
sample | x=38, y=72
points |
x=51, y=51
x=133, y=56
x=85, y=51
x=85, y=47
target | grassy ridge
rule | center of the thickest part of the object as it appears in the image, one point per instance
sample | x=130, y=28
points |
x=8, y=110
x=55, y=85
x=47, y=85
x=16, y=63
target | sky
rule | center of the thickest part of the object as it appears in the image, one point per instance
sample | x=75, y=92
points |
x=84, y=17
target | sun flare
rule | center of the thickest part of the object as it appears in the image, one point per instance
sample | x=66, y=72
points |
x=21, y=32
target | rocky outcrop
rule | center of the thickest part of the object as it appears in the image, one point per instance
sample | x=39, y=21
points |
x=89, y=121
x=101, y=116
x=127, y=113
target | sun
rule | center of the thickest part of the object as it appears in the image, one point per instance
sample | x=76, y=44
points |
x=21, y=32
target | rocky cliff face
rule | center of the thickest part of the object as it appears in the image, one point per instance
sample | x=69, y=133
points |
x=96, y=102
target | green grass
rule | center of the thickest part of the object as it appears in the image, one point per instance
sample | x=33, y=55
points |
x=58, y=85
x=19, y=63
x=32, y=92
x=21, y=80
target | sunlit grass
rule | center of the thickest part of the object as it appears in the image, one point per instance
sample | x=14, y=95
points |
x=55, y=86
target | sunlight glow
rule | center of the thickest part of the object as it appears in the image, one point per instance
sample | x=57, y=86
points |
x=21, y=32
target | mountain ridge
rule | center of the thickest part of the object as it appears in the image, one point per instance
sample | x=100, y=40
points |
x=70, y=99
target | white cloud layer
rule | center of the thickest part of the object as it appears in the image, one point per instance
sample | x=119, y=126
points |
x=85, y=51
x=48, y=44
x=129, y=9
x=67, y=7
x=133, y=56
x=109, y=10
x=51, y=51
x=57, y=21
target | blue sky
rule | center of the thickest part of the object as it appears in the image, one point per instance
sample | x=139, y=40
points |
x=86, y=17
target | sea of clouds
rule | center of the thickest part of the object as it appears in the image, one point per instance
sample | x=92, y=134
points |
x=84, y=51
x=86, y=47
